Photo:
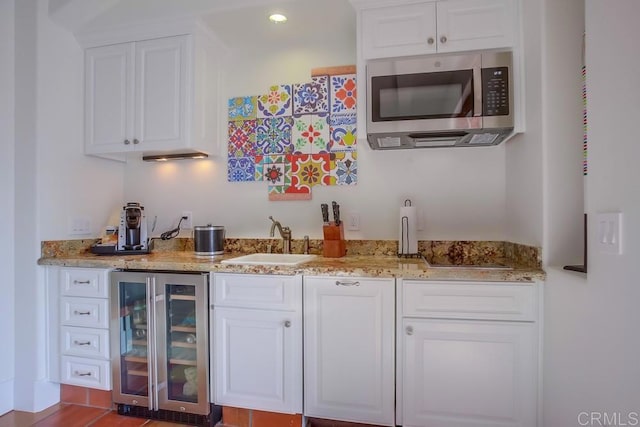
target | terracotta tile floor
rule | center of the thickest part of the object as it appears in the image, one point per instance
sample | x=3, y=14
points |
x=64, y=415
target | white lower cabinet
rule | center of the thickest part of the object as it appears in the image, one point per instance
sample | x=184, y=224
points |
x=79, y=326
x=257, y=342
x=465, y=372
x=349, y=349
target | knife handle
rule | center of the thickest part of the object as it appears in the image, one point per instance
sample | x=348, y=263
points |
x=325, y=213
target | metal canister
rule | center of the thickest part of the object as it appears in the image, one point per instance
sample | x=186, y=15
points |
x=208, y=240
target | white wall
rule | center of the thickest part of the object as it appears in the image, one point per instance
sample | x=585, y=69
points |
x=7, y=284
x=524, y=151
x=69, y=183
x=563, y=132
x=53, y=181
x=591, y=338
x=461, y=191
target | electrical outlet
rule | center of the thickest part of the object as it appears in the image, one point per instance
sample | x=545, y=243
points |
x=79, y=225
x=353, y=221
x=187, y=224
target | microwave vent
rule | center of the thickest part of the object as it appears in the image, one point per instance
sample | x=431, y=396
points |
x=483, y=139
x=390, y=142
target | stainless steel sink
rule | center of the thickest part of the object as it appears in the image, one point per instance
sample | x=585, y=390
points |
x=270, y=259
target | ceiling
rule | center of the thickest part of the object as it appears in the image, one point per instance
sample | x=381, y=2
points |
x=238, y=23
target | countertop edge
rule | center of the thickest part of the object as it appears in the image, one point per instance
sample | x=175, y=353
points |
x=356, y=266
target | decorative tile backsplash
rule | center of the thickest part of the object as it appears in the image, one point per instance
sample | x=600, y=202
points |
x=295, y=136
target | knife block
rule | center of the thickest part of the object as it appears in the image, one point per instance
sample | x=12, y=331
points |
x=334, y=245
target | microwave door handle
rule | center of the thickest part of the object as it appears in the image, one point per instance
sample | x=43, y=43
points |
x=477, y=91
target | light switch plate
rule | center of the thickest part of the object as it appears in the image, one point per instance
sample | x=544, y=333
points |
x=353, y=221
x=609, y=237
x=79, y=225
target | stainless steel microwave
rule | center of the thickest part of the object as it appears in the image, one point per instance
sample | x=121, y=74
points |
x=440, y=101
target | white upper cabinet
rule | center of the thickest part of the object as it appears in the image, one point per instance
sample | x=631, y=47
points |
x=475, y=24
x=108, y=98
x=399, y=30
x=442, y=26
x=160, y=93
x=157, y=96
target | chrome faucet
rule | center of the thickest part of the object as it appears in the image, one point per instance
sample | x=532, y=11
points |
x=285, y=233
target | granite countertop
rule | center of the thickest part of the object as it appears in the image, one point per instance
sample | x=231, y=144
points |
x=350, y=265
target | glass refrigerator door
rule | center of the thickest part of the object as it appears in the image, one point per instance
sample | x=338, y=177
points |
x=131, y=319
x=183, y=369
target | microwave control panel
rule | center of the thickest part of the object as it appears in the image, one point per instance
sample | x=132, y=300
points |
x=495, y=91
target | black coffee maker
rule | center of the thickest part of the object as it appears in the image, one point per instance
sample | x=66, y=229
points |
x=132, y=233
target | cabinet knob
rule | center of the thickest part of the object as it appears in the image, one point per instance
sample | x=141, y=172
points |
x=127, y=142
x=136, y=142
x=339, y=283
x=430, y=40
x=443, y=39
x=409, y=330
x=287, y=323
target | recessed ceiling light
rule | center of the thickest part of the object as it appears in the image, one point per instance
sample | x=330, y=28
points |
x=277, y=18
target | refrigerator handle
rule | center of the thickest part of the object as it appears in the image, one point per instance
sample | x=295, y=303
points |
x=151, y=338
x=156, y=400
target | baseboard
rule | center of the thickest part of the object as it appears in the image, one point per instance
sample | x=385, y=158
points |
x=6, y=396
x=36, y=396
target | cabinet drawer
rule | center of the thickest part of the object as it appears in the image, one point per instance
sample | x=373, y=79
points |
x=86, y=342
x=84, y=282
x=257, y=291
x=470, y=300
x=90, y=312
x=85, y=372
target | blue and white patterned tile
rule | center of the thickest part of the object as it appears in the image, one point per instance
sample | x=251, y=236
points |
x=312, y=97
x=343, y=132
x=273, y=135
x=241, y=169
x=343, y=93
x=310, y=134
x=242, y=108
x=276, y=102
x=344, y=168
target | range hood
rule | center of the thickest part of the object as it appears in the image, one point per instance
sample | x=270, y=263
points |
x=470, y=138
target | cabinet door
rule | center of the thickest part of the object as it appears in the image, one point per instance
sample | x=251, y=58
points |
x=399, y=30
x=258, y=359
x=475, y=24
x=160, y=93
x=349, y=349
x=109, y=99
x=469, y=373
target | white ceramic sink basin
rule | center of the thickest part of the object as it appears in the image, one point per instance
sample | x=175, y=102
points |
x=270, y=259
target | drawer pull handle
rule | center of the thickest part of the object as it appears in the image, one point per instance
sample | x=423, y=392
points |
x=81, y=313
x=339, y=283
x=81, y=282
x=82, y=374
x=409, y=330
x=287, y=323
x=76, y=342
